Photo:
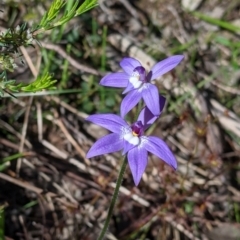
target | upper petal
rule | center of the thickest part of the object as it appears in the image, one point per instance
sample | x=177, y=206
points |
x=159, y=148
x=164, y=66
x=119, y=80
x=151, y=98
x=130, y=101
x=107, y=144
x=147, y=117
x=129, y=64
x=137, y=160
x=112, y=122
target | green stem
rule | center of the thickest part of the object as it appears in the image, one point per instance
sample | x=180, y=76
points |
x=114, y=199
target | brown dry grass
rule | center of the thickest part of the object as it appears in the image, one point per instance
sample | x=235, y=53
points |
x=54, y=192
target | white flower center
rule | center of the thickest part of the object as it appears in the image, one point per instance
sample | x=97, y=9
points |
x=135, y=80
x=129, y=136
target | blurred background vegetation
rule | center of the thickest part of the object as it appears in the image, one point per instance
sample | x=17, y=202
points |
x=49, y=190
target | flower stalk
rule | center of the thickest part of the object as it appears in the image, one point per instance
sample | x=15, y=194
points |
x=114, y=198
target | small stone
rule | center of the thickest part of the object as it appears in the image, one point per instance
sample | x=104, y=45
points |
x=236, y=22
x=191, y=5
x=216, y=13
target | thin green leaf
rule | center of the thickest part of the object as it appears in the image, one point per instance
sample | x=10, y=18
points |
x=220, y=23
x=42, y=82
x=67, y=16
x=86, y=6
x=51, y=14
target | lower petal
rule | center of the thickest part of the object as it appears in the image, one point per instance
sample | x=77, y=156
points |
x=151, y=98
x=147, y=117
x=137, y=160
x=107, y=144
x=159, y=148
x=130, y=101
x=128, y=88
x=127, y=147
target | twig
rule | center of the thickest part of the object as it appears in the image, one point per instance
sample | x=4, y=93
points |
x=130, y=8
x=13, y=131
x=72, y=61
x=24, y=132
x=22, y=184
x=72, y=141
x=29, y=61
x=225, y=88
x=48, y=179
x=185, y=37
x=27, y=113
x=39, y=121
x=24, y=227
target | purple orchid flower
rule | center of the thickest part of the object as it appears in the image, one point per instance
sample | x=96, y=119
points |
x=138, y=82
x=131, y=140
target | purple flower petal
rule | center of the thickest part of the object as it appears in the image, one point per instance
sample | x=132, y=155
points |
x=159, y=148
x=146, y=116
x=164, y=66
x=107, y=144
x=162, y=101
x=129, y=64
x=112, y=122
x=129, y=88
x=130, y=101
x=127, y=147
x=119, y=80
x=151, y=98
x=137, y=160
